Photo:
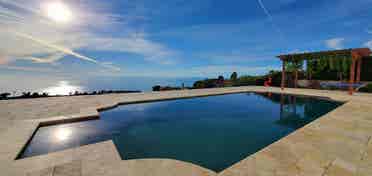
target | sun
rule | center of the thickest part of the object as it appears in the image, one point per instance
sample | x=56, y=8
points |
x=58, y=12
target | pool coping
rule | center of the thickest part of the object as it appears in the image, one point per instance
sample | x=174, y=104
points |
x=95, y=115
x=16, y=139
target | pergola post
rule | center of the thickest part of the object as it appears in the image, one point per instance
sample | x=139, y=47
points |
x=359, y=70
x=352, y=75
x=283, y=74
x=296, y=78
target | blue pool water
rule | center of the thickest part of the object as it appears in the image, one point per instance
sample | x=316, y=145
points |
x=214, y=132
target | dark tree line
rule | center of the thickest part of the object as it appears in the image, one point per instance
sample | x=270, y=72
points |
x=235, y=80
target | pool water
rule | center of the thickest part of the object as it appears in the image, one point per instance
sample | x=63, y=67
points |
x=214, y=132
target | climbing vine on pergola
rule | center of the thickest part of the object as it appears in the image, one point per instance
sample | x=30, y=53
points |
x=342, y=61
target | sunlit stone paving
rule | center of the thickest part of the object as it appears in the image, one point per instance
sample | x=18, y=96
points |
x=337, y=143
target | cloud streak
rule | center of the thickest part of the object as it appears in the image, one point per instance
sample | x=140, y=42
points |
x=56, y=47
x=30, y=36
x=335, y=43
x=29, y=69
x=151, y=51
x=270, y=17
x=47, y=60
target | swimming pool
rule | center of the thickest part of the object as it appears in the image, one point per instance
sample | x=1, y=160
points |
x=214, y=132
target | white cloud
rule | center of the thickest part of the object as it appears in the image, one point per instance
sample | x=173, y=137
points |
x=137, y=44
x=47, y=60
x=335, y=43
x=235, y=57
x=33, y=69
x=55, y=47
x=368, y=44
x=23, y=24
x=298, y=51
x=369, y=31
x=27, y=34
x=111, y=66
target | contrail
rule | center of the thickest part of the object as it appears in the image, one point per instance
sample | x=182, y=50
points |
x=56, y=47
x=268, y=14
x=265, y=10
x=11, y=17
x=64, y=50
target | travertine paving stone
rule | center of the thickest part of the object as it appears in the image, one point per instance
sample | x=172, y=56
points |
x=159, y=167
x=339, y=143
x=69, y=169
x=43, y=172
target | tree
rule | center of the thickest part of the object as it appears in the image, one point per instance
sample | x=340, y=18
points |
x=234, y=76
x=310, y=69
x=247, y=80
x=4, y=95
x=221, y=78
x=294, y=67
x=35, y=95
x=156, y=88
x=26, y=94
x=220, y=81
x=276, y=77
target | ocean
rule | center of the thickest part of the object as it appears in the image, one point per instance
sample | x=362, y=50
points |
x=65, y=86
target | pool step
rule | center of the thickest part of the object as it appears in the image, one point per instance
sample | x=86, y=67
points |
x=89, y=160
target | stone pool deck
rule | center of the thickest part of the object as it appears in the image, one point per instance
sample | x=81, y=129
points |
x=339, y=143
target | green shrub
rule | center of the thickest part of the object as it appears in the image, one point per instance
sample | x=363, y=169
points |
x=246, y=81
x=4, y=95
x=156, y=88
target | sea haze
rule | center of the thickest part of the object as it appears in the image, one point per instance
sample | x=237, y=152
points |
x=63, y=86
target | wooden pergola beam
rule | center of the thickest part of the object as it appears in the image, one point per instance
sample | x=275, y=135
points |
x=363, y=52
x=352, y=76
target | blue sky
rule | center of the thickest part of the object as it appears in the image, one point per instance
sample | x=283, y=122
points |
x=171, y=38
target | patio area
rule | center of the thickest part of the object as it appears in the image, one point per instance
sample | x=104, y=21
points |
x=312, y=150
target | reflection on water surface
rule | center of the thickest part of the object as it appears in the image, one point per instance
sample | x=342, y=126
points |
x=62, y=88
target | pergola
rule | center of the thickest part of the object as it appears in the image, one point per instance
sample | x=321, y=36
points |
x=355, y=55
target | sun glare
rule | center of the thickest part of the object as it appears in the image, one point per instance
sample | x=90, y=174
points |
x=62, y=88
x=58, y=12
x=63, y=134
